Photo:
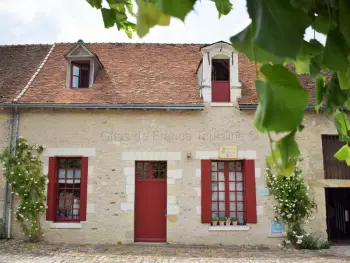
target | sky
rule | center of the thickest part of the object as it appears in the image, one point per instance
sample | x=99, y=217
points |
x=49, y=21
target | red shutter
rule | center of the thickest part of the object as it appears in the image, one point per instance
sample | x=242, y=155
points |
x=51, y=189
x=206, y=190
x=83, y=188
x=250, y=192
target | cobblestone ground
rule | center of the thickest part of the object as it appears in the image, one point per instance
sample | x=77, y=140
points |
x=23, y=252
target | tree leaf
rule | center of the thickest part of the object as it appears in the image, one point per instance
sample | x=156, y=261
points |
x=176, y=8
x=336, y=52
x=280, y=113
x=306, y=52
x=148, y=16
x=344, y=80
x=95, y=3
x=343, y=153
x=344, y=19
x=322, y=24
x=334, y=95
x=342, y=125
x=109, y=17
x=320, y=90
x=242, y=42
x=223, y=6
x=316, y=65
x=274, y=31
x=288, y=148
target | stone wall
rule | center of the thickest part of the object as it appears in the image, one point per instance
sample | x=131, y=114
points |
x=114, y=139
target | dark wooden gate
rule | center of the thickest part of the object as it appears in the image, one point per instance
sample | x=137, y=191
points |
x=333, y=169
x=338, y=207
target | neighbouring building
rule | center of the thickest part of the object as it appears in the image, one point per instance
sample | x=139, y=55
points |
x=145, y=142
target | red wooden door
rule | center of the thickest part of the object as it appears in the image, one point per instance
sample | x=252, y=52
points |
x=150, y=202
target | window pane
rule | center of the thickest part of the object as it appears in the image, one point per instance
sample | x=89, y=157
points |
x=222, y=196
x=75, y=82
x=155, y=175
x=239, y=206
x=232, y=196
x=240, y=217
x=139, y=166
x=155, y=166
x=146, y=166
x=238, y=166
x=62, y=163
x=214, y=176
x=139, y=175
x=221, y=214
x=232, y=186
x=62, y=173
x=221, y=186
x=233, y=214
x=70, y=173
x=221, y=166
x=232, y=176
x=240, y=186
x=214, y=196
x=222, y=206
x=221, y=176
x=162, y=175
x=70, y=163
x=232, y=206
x=239, y=196
x=231, y=166
x=76, y=70
x=77, y=174
x=77, y=164
x=214, y=206
x=214, y=186
x=84, y=78
x=214, y=166
x=146, y=174
x=239, y=176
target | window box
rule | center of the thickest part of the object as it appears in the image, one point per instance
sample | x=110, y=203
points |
x=229, y=228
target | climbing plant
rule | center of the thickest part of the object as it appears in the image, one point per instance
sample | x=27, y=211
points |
x=293, y=205
x=24, y=172
x=274, y=39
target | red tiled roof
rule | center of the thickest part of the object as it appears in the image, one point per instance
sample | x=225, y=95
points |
x=17, y=65
x=132, y=74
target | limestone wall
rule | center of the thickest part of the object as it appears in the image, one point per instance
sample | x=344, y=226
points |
x=114, y=139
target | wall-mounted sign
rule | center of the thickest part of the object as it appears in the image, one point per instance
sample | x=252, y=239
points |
x=228, y=152
x=277, y=227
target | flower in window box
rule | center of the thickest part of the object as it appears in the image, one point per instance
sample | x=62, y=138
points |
x=222, y=219
x=234, y=221
x=214, y=219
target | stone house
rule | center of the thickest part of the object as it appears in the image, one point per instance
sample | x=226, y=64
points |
x=146, y=142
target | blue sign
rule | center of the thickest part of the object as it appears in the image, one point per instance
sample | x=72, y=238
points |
x=277, y=227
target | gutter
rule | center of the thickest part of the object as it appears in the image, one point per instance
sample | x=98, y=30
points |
x=11, y=195
x=105, y=106
x=6, y=183
x=308, y=107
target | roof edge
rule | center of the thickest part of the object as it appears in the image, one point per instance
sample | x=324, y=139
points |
x=105, y=106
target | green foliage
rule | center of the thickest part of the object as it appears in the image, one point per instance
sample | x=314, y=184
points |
x=294, y=206
x=24, y=174
x=274, y=38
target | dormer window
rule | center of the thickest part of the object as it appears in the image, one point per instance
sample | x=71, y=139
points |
x=218, y=74
x=80, y=75
x=82, y=67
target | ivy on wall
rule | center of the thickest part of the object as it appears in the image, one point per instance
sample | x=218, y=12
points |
x=24, y=172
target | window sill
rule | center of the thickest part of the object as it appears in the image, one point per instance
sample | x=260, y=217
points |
x=65, y=225
x=229, y=228
x=222, y=104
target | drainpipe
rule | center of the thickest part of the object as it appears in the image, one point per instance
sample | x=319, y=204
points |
x=6, y=183
x=11, y=195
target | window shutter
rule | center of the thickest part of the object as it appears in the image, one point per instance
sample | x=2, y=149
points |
x=83, y=188
x=206, y=190
x=250, y=191
x=51, y=189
